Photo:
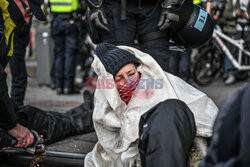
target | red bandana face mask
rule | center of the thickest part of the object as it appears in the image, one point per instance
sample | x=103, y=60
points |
x=126, y=91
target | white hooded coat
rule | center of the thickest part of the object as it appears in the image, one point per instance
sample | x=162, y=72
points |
x=117, y=124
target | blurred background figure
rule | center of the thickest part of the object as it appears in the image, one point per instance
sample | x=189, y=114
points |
x=66, y=35
x=236, y=12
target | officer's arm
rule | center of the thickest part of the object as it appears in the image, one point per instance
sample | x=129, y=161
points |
x=171, y=3
x=96, y=15
x=8, y=118
x=94, y=3
x=83, y=6
x=169, y=14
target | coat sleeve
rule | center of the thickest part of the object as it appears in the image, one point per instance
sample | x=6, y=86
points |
x=8, y=118
x=241, y=159
x=94, y=3
x=245, y=124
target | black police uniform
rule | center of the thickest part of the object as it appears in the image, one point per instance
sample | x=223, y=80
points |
x=7, y=111
x=139, y=18
x=17, y=64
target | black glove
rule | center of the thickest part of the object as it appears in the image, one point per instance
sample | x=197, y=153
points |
x=98, y=18
x=169, y=14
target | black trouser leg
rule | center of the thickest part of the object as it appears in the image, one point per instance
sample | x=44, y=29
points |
x=55, y=126
x=166, y=134
x=18, y=68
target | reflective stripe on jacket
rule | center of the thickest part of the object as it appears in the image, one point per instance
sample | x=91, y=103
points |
x=196, y=2
x=8, y=27
x=64, y=6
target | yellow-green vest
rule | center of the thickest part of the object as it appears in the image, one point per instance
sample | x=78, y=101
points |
x=196, y=2
x=64, y=6
x=9, y=27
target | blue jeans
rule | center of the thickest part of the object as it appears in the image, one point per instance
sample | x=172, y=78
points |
x=66, y=40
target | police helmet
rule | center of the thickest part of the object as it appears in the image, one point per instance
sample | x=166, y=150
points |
x=196, y=30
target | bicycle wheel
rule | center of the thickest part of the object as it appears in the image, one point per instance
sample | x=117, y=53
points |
x=208, y=66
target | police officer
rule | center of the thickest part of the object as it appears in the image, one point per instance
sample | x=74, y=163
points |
x=17, y=64
x=154, y=22
x=119, y=22
x=13, y=14
x=180, y=58
x=65, y=34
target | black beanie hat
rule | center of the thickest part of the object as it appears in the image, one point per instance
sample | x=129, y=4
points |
x=114, y=58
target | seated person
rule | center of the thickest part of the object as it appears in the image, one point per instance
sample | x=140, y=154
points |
x=142, y=115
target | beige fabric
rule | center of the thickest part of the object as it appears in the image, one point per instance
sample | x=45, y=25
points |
x=116, y=123
x=197, y=151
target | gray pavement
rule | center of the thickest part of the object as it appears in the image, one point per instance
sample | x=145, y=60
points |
x=218, y=91
x=47, y=99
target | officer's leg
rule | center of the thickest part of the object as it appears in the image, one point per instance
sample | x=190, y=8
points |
x=18, y=68
x=174, y=59
x=53, y=66
x=53, y=72
x=59, y=51
x=185, y=65
x=166, y=134
x=122, y=32
x=157, y=48
x=7, y=110
x=71, y=46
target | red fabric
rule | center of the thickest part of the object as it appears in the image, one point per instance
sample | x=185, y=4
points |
x=126, y=91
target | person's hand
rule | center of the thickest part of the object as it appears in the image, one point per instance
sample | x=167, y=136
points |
x=240, y=13
x=23, y=136
x=98, y=18
x=167, y=19
x=169, y=14
x=24, y=8
x=215, y=17
x=5, y=148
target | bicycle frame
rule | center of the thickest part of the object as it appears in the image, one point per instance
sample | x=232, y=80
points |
x=218, y=35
